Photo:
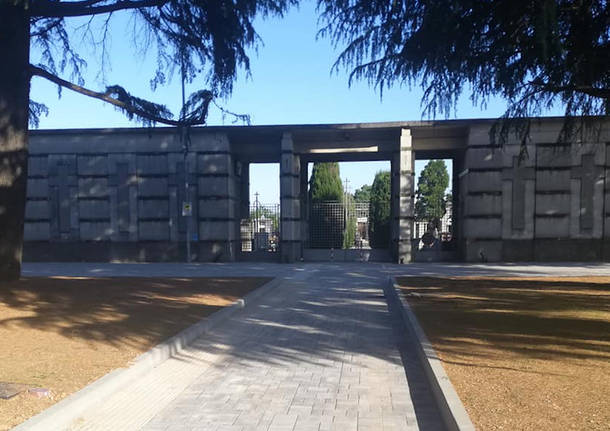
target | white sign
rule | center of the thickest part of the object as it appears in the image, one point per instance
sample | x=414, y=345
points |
x=187, y=209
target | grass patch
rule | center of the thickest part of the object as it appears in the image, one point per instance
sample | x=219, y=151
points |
x=62, y=333
x=522, y=353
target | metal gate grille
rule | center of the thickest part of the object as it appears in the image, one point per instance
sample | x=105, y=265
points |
x=339, y=225
x=261, y=230
x=327, y=225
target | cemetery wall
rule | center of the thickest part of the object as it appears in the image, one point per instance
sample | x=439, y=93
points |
x=547, y=203
x=118, y=195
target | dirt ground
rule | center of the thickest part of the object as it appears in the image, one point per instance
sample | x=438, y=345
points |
x=62, y=333
x=522, y=353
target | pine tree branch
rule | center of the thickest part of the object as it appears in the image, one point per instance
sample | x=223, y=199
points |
x=602, y=93
x=58, y=9
x=106, y=97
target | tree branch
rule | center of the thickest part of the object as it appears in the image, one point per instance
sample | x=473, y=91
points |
x=106, y=97
x=59, y=9
x=602, y=93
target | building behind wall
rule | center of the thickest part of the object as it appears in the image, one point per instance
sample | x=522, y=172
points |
x=117, y=194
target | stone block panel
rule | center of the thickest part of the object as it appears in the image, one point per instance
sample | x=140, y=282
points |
x=152, y=187
x=406, y=184
x=38, y=166
x=289, y=164
x=151, y=164
x=218, y=142
x=486, y=251
x=92, y=187
x=406, y=206
x=291, y=230
x=153, y=230
x=153, y=208
x=518, y=250
x=214, y=163
x=216, y=186
x=92, y=165
x=216, y=230
x=214, y=251
x=404, y=229
x=554, y=156
x=484, y=158
x=405, y=161
x=291, y=208
x=552, y=227
x=38, y=188
x=95, y=231
x=93, y=209
x=552, y=204
x=486, y=181
x=553, y=180
x=36, y=231
x=485, y=204
x=290, y=186
x=483, y=227
x=37, y=210
x=216, y=208
x=561, y=250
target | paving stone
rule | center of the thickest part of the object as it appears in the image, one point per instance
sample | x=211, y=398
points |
x=321, y=352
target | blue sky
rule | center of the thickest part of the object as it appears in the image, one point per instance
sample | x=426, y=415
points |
x=290, y=83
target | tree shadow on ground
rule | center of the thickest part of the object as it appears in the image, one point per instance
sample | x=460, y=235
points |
x=340, y=317
x=134, y=312
x=567, y=318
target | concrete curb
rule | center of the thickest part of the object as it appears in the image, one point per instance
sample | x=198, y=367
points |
x=61, y=416
x=454, y=414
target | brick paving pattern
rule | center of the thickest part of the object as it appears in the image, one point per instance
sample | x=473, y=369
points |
x=321, y=352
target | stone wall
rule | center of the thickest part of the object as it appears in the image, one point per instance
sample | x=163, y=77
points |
x=550, y=203
x=99, y=196
x=103, y=195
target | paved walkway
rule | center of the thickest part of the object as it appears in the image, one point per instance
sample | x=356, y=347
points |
x=320, y=352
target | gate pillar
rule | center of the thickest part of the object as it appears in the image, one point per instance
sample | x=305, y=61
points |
x=290, y=209
x=403, y=169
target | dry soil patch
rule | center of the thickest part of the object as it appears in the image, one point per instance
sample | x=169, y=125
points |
x=523, y=353
x=62, y=333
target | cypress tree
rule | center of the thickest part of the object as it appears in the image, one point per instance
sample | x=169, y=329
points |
x=430, y=204
x=325, y=183
x=379, y=213
x=327, y=216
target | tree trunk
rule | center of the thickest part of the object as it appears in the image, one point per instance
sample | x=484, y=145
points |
x=14, y=106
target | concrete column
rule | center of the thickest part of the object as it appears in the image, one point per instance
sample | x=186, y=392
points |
x=218, y=240
x=403, y=169
x=482, y=202
x=245, y=190
x=304, y=204
x=290, y=211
